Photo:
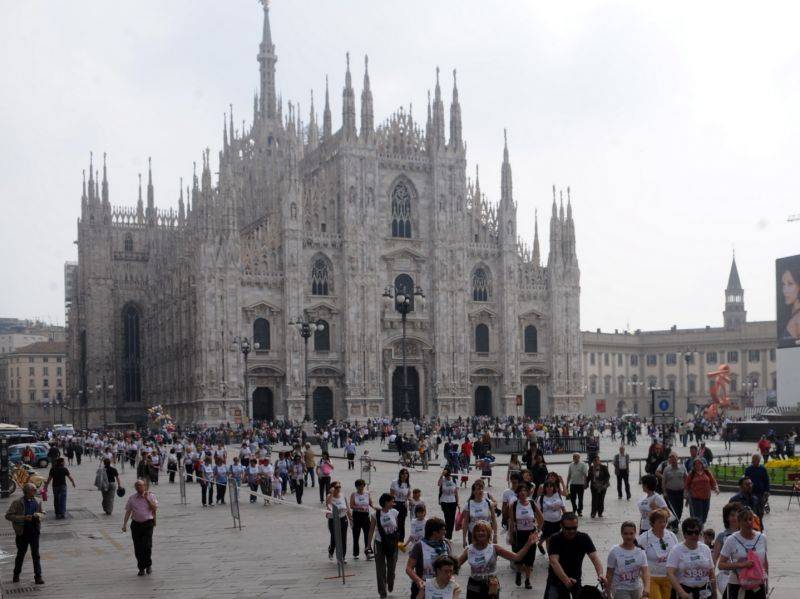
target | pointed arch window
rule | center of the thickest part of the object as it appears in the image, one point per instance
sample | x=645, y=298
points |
x=128, y=242
x=480, y=285
x=261, y=334
x=531, y=339
x=405, y=284
x=322, y=338
x=321, y=283
x=131, y=355
x=482, y=339
x=401, y=211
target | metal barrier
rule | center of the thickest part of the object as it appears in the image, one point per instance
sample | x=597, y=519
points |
x=181, y=473
x=233, y=499
x=549, y=446
x=337, y=539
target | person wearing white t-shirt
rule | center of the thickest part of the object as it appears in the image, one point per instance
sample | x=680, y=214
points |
x=383, y=521
x=626, y=569
x=734, y=555
x=657, y=543
x=651, y=501
x=690, y=566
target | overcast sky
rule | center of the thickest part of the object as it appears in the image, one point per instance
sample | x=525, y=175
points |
x=675, y=124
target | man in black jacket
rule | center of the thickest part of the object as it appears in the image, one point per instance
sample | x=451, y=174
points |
x=25, y=515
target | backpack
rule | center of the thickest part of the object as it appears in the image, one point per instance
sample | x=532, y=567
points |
x=754, y=577
x=101, y=479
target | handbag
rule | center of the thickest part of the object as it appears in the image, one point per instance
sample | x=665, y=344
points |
x=460, y=517
x=120, y=491
x=753, y=577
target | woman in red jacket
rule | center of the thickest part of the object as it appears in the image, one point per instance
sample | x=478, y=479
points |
x=699, y=485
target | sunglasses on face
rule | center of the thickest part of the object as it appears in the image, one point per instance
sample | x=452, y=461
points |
x=693, y=532
x=569, y=528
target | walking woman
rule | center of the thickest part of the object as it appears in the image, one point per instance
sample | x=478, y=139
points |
x=448, y=500
x=251, y=472
x=221, y=479
x=552, y=507
x=481, y=555
x=657, y=543
x=734, y=556
x=523, y=516
x=113, y=483
x=297, y=472
x=478, y=508
x=651, y=500
x=690, y=567
x=335, y=498
x=442, y=584
x=400, y=490
x=627, y=563
x=420, y=565
x=699, y=485
x=324, y=469
x=599, y=481
x=730, y=521
x=383, y=528
x=360, y=507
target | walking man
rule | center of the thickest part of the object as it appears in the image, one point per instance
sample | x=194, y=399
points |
x=622, y=463
x=25, y=515
x=141, y=507
x=59, y=475
x=577, y=476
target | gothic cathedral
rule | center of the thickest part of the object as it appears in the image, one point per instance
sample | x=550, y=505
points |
x=305, y=222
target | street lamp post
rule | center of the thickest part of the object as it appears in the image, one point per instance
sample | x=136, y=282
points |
x=688, y=355
x=104, y=388
x=404, y=303
x=243, y=345
x=306, y=327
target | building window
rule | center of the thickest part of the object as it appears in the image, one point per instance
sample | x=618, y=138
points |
x=59, y=383
x=672, y=359
x=531, y=339
x=619, y=359
x=480, y=286
x=31, y=383
x=320, y=277
x=128, y=243
x=754, y=355
x=652, y=382
x=734, y=384
x=45, y=382
x=30, y=359
x=404, y=284
x=45, y=394
x=635, y=384
x=482, y=339
x=652, y=360
x=401, y=211
x=671, y=382
x=322, y=339
x=772, y=355
x=58, y=360
x=692, y=381
x=733, y=357
x=45, y=371
x=621, y=385
x=32, y=395
x=261, y=334
x=131, y=355
x=45, y=359
x=605, y=359
x=58, y=371
x=634, y=360
x=591, y=358
x=59, y=396
x=593, y=384
x=773, y=377
x=711, y=357
x=607, y=384
x=31, y=371
x=689, y=357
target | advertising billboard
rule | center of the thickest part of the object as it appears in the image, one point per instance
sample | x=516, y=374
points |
x=787, y=271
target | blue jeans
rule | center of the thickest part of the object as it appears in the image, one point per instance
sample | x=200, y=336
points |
x=60, y=500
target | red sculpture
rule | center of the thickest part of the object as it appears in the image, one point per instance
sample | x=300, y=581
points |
x=720, y=379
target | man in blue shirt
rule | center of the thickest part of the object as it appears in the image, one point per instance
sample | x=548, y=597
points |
x=759, y=475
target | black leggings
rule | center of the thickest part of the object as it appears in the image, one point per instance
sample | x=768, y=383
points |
x=520, y=538
x=449, y=511
x=324, y=487
x=360, y=523
x=343, y=528
x=402, y=514
x=207, y=490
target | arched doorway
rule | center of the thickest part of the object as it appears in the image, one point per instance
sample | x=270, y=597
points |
x=483, y=401
x=620, y=408
x=533, y=401
x=323, y=404
x=413, y=392
x=263, y=404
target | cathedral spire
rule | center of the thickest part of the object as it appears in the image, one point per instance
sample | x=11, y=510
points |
x=105, y=182
x=367, y=115
x=151, y=206
x=91, y=177
x=429, y=125
x=139, y=203
x=348, y=105
x=313, y=130
x=232, y=137
x=224, y=132
x=478, y=195
x=506, y=194
x=455, y=118
x=266, y=60
x=83, y=193
x=326, y=115
x=181, y=207
x=536, y=254
x=438, y=113
x=734, y=315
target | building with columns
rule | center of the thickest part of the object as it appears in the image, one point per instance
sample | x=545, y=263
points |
x=307, y=220
x=620, y=368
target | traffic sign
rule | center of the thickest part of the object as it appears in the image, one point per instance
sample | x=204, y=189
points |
x=663, y=406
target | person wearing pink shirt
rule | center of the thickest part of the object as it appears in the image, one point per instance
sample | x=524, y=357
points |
x=141, y=509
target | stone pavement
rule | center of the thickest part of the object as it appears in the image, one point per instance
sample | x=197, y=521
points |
x=281, y=551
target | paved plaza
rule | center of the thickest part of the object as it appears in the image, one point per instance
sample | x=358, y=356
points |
x=281, y=550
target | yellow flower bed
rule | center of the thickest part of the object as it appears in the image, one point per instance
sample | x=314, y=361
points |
x=788, y=463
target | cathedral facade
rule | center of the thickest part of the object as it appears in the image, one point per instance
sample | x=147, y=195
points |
x=305, y=221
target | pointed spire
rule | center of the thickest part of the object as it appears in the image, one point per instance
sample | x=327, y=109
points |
x=734, y=283
x=348, y=105
x=326, y=115
x=91, y=177
x=255, y=106
x=313, y=130
x=536, y=255
x=83, y=193
x=438, y=114
x=367, y=115
x=151, y=207
x=181, y=207
x=188, y=202
x=478, y=196
x=561, y=208
x=506, y=194
x=455, y=119
x=429, y=125
x=139, y=203
x=266, y=61
x=224, y=132
x=233, y=136
x=105, y=182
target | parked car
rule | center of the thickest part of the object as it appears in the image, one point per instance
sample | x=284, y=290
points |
x=40, y=460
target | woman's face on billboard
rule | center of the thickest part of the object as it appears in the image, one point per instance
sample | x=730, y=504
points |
x=791, y=289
